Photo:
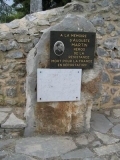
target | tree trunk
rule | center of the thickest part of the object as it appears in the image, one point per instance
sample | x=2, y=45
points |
x=35, y=6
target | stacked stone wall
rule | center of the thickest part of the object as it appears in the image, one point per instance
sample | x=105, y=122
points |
x=18, y=37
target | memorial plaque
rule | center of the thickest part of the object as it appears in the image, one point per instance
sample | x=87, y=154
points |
x=58, y=85
x=72, y=49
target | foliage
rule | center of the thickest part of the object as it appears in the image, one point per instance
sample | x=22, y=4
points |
x=47, y=4
x=5, y=11
x=22, y=7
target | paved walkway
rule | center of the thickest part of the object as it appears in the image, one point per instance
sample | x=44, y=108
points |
x=101, y=143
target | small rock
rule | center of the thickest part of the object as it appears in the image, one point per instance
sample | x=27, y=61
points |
x=113, y=55
x=105, y=78
x=113, y=90
x=116, y=130
x=116, y=112
x=80, y=153
x=95, y=1
x=14, y=24
x=110, y=28
x=116, y=80
x=82, y=140
x=11, y=82
x=113, y=120
x=3, y=116
x=13, y=122
x=96, y=144
x=27, y=47
x=116, y=3
x=100, y=123
x=35, y=41
x=94, y=159
x=2, y=76
x=78, y=8
x=22, y=90
x=114, y=157
x=116, y=100
x=101, y=31
x=104, y=3
x=106, y=150
x=11, y=102
x=20, y=31
x=114, y=64
x=5, y=68
x=101, y=52
x=107, y=113
x=45, y=147
x=12, y=44
x=30, y=17
x=11, y=92
x=105, y=98
x=6, y=143
x=2, y=47
x=110, y=43
x=92, y=7
x=15, y=55
x=5, y=109
x=18, y=157
x=3, y=154
x=43, y=23
x=6, y=35
x=98, y=21
x=106, y=139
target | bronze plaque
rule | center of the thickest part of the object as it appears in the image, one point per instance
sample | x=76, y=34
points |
x=72, y=49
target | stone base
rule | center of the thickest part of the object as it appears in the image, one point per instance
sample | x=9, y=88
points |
x=61, y=117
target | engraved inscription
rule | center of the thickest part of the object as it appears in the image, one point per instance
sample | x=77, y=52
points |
x=72, y=49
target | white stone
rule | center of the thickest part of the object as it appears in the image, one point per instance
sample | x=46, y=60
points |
x=106, y=150
x=3, y=116
x=82, y=140
x=58, y=85
x=5, y=109
x=116, y=112
x=13, y=122
x=45, y=146
x=106, y=139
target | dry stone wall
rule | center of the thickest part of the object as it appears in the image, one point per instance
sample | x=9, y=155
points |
x=20, y=37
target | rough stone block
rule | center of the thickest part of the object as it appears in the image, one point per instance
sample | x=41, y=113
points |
x=66, y=117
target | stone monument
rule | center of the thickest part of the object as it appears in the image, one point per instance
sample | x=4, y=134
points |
x=60, y=117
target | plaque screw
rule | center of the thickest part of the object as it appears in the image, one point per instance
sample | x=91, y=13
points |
x=78, y=71
x=40, y=98
x=40, y=71
x=76, y=97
